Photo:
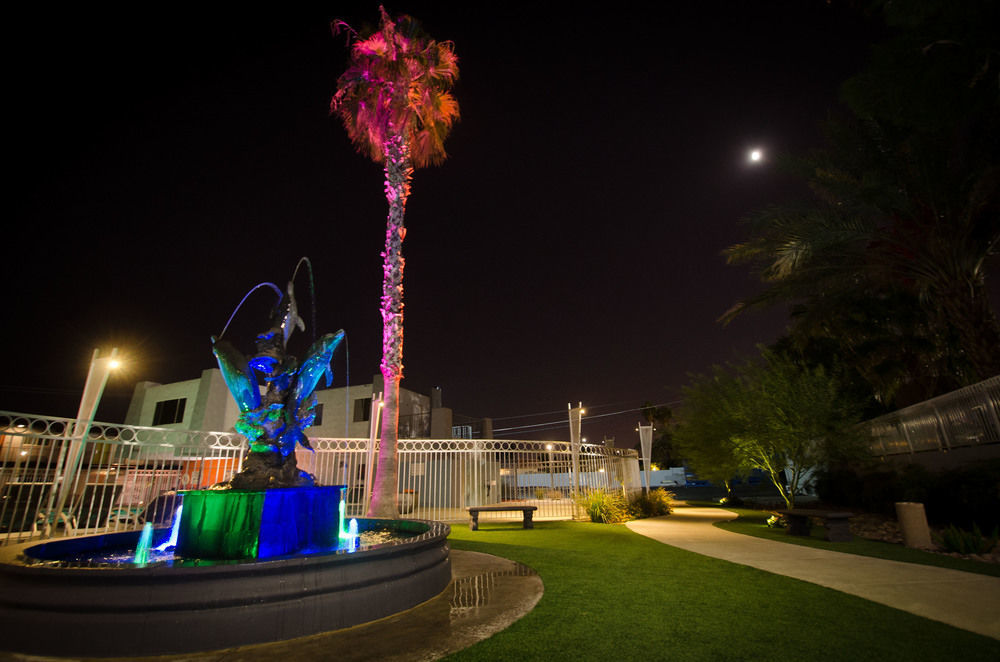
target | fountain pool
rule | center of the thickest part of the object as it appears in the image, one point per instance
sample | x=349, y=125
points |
x=263, y=557
x=55, y=602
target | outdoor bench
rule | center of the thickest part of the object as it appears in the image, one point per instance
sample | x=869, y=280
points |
x=800, y=522
x=527, y=511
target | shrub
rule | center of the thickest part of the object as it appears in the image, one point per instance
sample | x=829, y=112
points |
x=539, y=493
x=954, y=539
x=606, y=507
x=966, y=496
x=654, y=504
x=962, y=496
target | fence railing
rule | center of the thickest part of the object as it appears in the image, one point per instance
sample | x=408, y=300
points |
x=967, y=417
x=439, y=478
x=53, y=484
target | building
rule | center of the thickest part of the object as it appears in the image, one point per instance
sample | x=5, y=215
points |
x=206, y=404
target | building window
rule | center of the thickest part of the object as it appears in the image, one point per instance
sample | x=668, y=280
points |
x=318, y=415
x=169, y=411
x=362, y=409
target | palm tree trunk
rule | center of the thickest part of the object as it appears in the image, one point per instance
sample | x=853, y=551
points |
x=398, y=172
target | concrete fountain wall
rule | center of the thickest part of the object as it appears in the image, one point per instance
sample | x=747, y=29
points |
x=51, y=607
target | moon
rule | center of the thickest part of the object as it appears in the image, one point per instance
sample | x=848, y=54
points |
x=755, y=156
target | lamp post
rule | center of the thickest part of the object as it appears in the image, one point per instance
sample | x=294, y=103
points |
x=375, y=417
x=552, y=485
x=69, y=459
x=575, y=424
x=646, y=441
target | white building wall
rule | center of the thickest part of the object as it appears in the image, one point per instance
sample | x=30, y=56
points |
x=148, y=394
x=209, y=406
x=334, y=413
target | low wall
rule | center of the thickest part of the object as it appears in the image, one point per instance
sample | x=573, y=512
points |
x=53, y=608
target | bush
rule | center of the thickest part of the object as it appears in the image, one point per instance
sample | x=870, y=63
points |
x=963, y=497
x=954, y=539
x=656, y=503
x=606, y=507
x=966, y=496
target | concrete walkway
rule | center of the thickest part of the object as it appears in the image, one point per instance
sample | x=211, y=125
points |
x=961, y=599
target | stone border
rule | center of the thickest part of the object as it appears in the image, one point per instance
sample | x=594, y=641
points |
x=160, y=609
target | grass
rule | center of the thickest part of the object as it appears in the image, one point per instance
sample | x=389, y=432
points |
x=611, y=594
x=752, y=523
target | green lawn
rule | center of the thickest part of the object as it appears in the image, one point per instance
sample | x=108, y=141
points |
x=752, y=523
x=611, y=594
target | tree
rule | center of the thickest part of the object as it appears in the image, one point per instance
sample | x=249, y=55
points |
x=704, y=434
x=906, y=210
x=396, y=106
x=772, y=414
x=880, y=344
x=662, y=451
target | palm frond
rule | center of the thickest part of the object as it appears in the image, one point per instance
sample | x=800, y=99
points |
x=397, y=83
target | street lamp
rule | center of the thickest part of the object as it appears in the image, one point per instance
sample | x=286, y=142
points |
x=374, y=428
x=69, y=459
x=552, y=485
x=575, y=424
x=646, y=442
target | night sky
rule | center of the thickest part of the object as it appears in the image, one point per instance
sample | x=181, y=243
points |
x=568, y=250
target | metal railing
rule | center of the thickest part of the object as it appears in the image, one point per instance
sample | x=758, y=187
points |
x=53, y=484
x=439, y=478
x=967, y=417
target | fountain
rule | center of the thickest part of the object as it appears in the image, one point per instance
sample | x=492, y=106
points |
x=264, y=557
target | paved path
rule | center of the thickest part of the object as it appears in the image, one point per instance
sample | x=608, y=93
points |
x=962, y=599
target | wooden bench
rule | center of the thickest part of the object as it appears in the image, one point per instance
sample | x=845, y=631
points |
x=800, y=522
x=527, y=511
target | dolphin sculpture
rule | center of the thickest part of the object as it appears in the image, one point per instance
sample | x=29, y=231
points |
x=237, y=374
x=274, y=422
x=315, y=365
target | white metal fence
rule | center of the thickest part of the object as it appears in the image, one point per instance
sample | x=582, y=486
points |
x=439, y=478
x=967, y=417
x=53, y=484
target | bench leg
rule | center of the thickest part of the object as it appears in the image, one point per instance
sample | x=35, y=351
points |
x=798, y=525
x=838, y=530
x=529, y=522
x=473, y=521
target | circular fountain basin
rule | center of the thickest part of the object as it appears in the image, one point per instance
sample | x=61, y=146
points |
x=50, y=606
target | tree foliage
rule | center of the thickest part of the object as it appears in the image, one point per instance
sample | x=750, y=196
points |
x=889, y=256
x=398, y=83
x=662, y=452
x=771, y=414
x=704, y=434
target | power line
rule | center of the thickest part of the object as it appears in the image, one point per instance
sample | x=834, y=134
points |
x=562, y=422
x=559, y=411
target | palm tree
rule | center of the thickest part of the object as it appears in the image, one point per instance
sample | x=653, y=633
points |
x=395, y=103
x=908, y=200
x=888, y=224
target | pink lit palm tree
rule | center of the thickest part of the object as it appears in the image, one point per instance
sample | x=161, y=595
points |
x=395, y=103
